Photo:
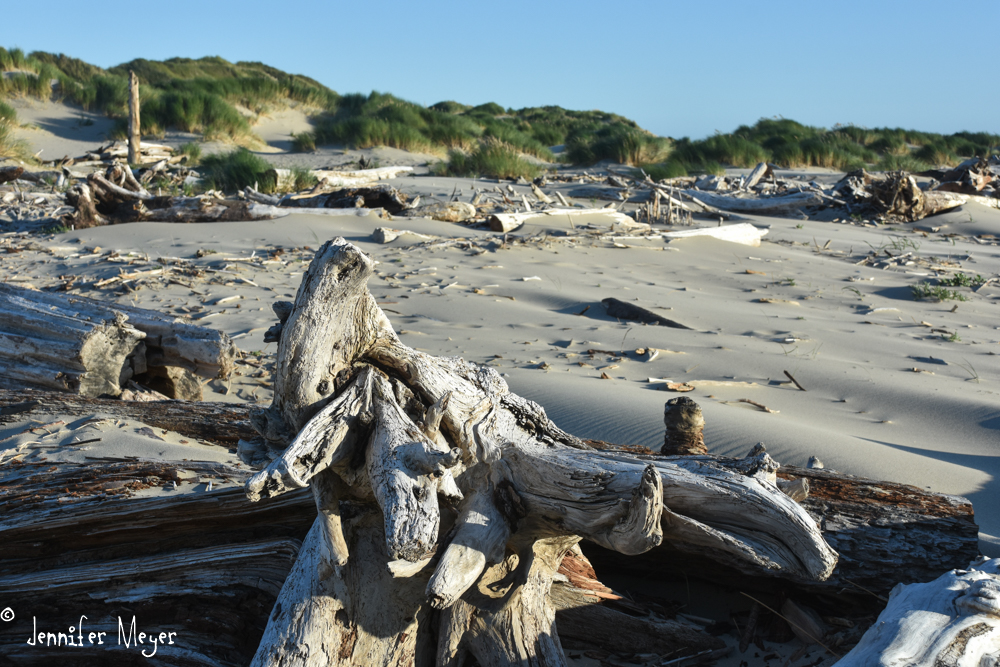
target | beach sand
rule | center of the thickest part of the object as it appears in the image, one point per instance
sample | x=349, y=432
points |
x=897, y=389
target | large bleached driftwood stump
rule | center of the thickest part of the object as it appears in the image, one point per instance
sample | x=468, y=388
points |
x=446, y=503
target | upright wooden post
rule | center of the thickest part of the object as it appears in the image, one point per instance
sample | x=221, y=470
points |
x=133, y=118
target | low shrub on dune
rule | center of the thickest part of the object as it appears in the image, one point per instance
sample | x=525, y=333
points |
x=236, y=170
x=491, y=158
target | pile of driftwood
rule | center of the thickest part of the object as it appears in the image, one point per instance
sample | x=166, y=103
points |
x=92, y=348
x=116, y=196
x=118, y=150
x=888, y=195
x=446, y=516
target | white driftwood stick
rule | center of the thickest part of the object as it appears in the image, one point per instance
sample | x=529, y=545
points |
x=743, y=233
x=506, y=222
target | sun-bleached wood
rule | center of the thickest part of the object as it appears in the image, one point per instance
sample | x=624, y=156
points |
x=465, y=496
x=133, y=117
x=64, y=346
x=72, y=343
x=759, y=206
x=285, y=178
x=953, y=620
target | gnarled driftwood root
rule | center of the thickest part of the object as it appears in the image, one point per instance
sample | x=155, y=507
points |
x=456, y=500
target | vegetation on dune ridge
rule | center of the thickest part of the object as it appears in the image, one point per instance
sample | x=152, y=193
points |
x=203, y=96
x=491, y=157
x=219, y=100
x=788, y=143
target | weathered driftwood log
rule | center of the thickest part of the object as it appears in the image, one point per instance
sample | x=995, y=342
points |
x=90, y=347
x=761, y=171
x=117, y=197
x=465, y=496
x=86, y=214
x=284, y=179
x=374, y=196
x=8, y=174
x=455, y=211
x=508, y=222
x=133, y=118
x=60, y=346
x=629, y=311
x=885, y=533
x=43, y=533
x=221, y=423
x=205, y=565
x=760, y=206
x=895, y=194
x=953, y=620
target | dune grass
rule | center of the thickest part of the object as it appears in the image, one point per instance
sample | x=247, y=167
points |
x=303, y=142
x=220, y=100
x=787, y=143
x=236, y=170
x=192, y=150
x=492, y=158
x=9, y=146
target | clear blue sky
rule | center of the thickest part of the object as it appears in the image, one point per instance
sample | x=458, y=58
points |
x=677, y=68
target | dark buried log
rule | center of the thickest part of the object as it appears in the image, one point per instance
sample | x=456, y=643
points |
x=629, y=311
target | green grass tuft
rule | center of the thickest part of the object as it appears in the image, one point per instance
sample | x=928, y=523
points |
x=192, y=150
x=11, y=147
x=304, y=142
x=491, y=158
x=236, y=170
x=901, y=163
x=302, y=178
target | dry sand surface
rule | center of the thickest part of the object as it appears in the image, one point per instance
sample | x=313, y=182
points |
x=897, y=389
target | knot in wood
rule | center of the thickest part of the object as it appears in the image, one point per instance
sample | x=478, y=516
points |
x=509, y=503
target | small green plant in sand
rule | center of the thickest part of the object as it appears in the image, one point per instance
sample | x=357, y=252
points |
x=302, y=178
x=493, y=158
x=971, y=370
x=236, y=170
x=192, y=150
x=962, y=280
x=954, y=338
x=303, y=142
x=928, y=292
x=10, y=147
